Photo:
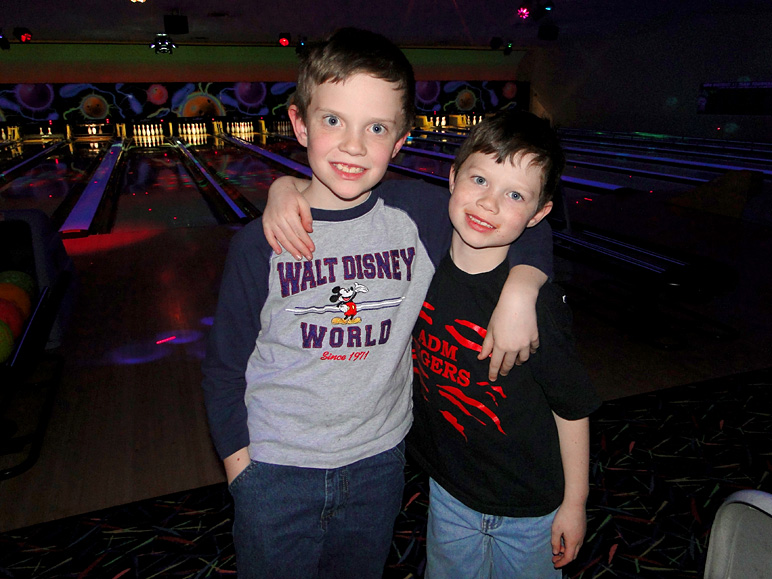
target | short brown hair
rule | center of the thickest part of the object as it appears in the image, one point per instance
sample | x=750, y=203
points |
x=351, y=51
x=512, y=133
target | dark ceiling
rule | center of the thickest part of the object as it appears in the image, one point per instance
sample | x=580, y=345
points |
x=410, y=23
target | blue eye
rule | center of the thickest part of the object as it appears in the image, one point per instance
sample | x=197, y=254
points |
x=378, y=129
x=479, y=180
x=514, y=195
x=331, y=120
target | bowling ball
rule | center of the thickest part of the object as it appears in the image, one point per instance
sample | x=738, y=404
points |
x=94, y=106
x=19, y=278
x=6, y=342
x=11, y=315
x=465, y=100
x=15, y=294
x=427, y=91
x=157, y=94
x=250, y=94
x=202, y=105
x=36, y=97
x=509, y=90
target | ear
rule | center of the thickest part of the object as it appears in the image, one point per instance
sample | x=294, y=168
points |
x=452, y=179
x=398, y=144
x=540, y=214
x=298, y=125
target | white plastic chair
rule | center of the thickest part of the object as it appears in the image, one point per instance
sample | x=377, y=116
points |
x=740, y=544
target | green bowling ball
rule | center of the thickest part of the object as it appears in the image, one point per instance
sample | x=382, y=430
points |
x=6, y=342
x=19, y=278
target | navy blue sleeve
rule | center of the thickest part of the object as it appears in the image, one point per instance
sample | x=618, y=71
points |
x=534, y=248
x=243, y=292
x=427, y=205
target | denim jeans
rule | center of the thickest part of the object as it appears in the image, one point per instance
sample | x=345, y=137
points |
x=303, y=523
x=462, y=543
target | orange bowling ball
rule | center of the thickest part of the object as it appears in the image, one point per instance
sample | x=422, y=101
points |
x=19, y=278
x=15, y=294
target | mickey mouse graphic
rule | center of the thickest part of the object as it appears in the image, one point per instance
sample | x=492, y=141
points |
x=343, y=298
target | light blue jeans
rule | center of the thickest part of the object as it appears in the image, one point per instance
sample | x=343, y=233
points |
x=306, y=523
x=462, y=543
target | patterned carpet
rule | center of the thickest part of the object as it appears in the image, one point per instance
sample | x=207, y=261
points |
x=662, y=463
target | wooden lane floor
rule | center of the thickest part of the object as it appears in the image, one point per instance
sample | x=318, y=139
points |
x=129, y=420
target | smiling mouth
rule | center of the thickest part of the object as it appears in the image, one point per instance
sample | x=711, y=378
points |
x=349, y=169
x=479, y=222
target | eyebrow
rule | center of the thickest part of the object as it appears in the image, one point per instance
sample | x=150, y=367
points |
x=338, y=114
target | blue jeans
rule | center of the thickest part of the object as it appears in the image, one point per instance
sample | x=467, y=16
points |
x=302, y=523
x=462, y=543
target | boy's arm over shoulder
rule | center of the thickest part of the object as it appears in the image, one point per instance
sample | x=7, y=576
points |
x=287, y=218
x=534, y=248
x=513, y=333
x=231, y=341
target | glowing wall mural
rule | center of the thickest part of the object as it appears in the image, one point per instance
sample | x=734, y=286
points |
x=82, y=102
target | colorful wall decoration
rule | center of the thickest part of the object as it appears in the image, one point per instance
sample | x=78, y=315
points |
x=22, y=104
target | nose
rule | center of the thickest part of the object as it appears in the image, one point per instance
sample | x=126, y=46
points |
x=353, y=143
x=488, y=202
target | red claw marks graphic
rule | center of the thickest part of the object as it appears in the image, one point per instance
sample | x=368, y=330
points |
x=462, y=340
x=437, y=358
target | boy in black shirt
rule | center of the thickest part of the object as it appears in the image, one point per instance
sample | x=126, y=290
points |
x=508, y=459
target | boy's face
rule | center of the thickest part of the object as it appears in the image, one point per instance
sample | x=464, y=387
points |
x=351, y=131
x=492, y=203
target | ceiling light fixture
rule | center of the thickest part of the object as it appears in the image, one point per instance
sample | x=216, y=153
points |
x=163, y=44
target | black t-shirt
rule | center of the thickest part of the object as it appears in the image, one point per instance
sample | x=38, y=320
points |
x=493, y=446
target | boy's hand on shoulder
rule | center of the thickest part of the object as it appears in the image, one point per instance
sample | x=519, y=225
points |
x=512, y=335
x=568, y=531
x=287, y=218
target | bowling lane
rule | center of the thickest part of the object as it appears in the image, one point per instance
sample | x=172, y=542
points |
x=692, y=148
x=431, y=146
x=618, y=169
x=12, y=153
x=53, y=182
x=156, y=191
x=246, y=172
x=431, y=165
x=680, y=162
x=443, y=135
